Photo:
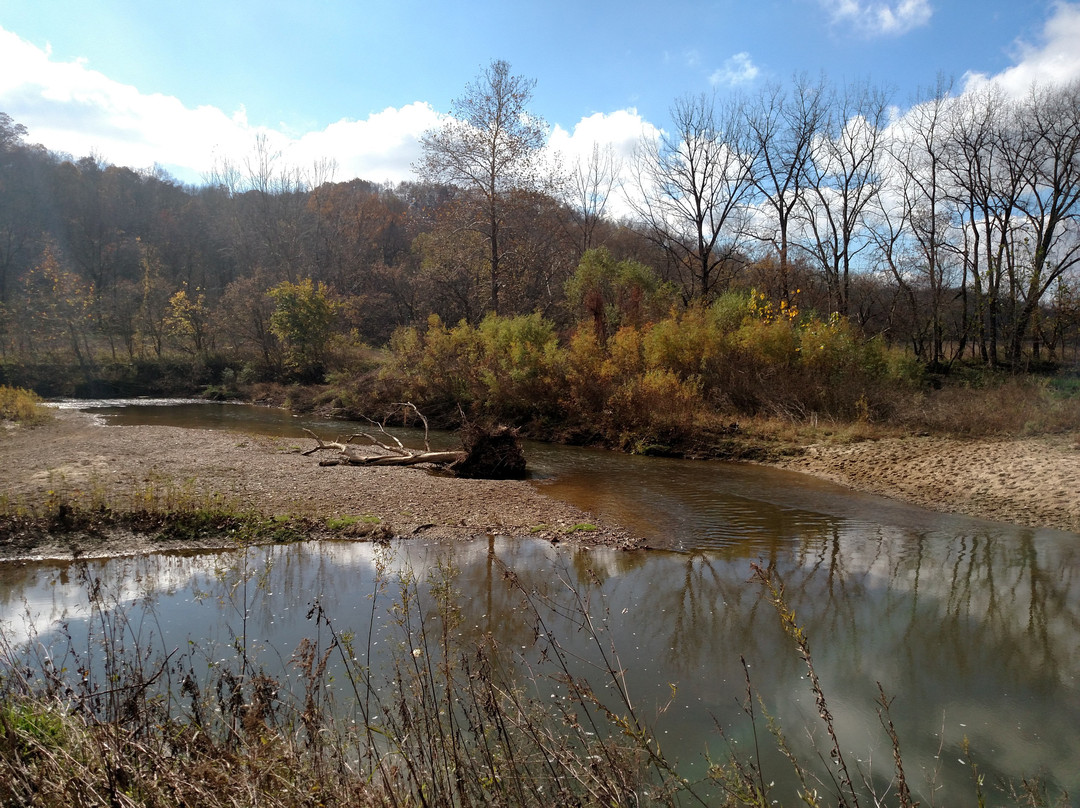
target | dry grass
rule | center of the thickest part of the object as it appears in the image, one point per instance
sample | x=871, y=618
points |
x=22, y=406
x=111, y=722
x=1013, y=406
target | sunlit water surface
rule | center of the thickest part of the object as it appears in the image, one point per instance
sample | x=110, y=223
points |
x=971, y=627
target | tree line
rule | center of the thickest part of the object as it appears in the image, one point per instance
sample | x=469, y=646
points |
x=950, y=229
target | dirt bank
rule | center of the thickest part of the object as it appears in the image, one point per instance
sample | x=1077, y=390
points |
x=1028, y=481
x=1032, y=482
x=75, y=456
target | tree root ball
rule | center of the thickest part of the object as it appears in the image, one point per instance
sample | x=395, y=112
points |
x=491, y=454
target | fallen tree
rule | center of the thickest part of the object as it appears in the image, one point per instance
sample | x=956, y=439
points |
x=493, y=453
x=397, y=455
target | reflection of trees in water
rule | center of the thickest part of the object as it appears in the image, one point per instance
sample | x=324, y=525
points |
x=949, y=623
x=972, y=591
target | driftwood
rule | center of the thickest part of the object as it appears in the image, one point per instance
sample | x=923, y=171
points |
x=488, y=454
x=398, y=455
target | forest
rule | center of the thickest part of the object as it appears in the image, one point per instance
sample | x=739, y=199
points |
x=807, y=252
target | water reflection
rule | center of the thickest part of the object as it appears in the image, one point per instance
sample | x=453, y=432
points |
x=973, y=627
x=975, y=636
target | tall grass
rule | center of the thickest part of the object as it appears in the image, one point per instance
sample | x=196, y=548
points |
x=448, y=718
x=1005, y=405
x=119, y=720
x=22, y=406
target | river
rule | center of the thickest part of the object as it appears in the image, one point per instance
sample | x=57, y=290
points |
x=972, y=628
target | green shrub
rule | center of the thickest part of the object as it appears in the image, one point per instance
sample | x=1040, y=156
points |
x=517, y=361
x=692, y=343
x=506, y=367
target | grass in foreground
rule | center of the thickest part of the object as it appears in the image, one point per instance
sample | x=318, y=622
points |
x=452, y=722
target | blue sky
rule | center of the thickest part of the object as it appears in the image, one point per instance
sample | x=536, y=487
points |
x=140, y=82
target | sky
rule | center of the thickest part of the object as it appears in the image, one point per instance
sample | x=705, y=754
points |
x=187, y=85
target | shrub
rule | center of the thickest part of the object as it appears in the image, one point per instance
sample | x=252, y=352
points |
x=506, y=367
x=657, y=404
x=432, y=366
x=22, y=406
x=517, y=361
x=691, y=344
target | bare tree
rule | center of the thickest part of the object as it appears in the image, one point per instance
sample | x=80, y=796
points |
x=692, y=190
x=591, y=183
x=844, y=177
x=1049, y=140
x=783, y=127
x=919, y=187
x=982, y=164
x=490, y=146
x=270, y=223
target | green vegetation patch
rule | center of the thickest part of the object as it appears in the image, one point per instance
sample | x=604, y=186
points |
x=192, y=524
x=35, y=728
x=584, y=527
x=346, y=522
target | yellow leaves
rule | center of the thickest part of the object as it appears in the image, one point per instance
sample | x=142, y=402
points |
x=762, y=308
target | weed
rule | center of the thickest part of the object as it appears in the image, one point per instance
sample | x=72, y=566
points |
x=455, y=720
x=450, y=726
x=344, y=522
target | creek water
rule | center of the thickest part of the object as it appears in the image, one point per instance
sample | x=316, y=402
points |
x=972, y=628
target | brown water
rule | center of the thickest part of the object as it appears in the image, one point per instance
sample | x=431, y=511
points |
x=972, y=627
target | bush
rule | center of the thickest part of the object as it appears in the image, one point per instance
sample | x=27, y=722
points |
x=517, y=359
x=657, y=405
x=506, y=367
x=22, y=406
x=738, y=356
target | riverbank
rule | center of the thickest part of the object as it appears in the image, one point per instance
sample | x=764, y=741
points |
x=74, y=459
x=1024, y=481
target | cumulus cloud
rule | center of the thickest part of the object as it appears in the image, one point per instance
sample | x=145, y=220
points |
x=879, y=18
x=68, y=107
x=384, y=146
x=738, y=69
x=621, y=131
x=1055, y=60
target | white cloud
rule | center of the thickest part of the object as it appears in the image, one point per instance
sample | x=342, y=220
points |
x=68, y=107
x=738, y=69
x=879, y=18
x=621, y=130
x=382, y=147
x=1055, y=61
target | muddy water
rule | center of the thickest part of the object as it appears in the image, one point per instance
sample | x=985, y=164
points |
x=972, y=627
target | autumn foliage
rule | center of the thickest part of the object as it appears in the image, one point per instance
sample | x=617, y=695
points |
x=654, y=380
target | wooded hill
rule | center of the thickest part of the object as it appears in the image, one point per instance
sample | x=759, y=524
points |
x=951, y=232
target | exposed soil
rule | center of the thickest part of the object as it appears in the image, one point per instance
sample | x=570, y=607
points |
x=77, y=458
x=1033, y=482
x=1025, y=481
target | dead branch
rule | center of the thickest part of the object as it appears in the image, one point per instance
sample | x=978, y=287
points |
x=348, y=456
x=420, y=415
x=490, y=453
